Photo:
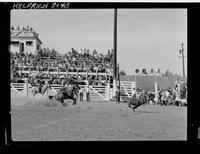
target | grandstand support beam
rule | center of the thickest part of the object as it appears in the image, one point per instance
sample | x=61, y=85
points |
x=156, y=88
x=135, y=82
x=182, y=51
x=115, y=52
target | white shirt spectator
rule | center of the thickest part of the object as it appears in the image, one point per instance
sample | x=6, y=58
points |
x=87, y=89
x=81, y=90
x=133, y=93
x=167, y=93
x=182, y=81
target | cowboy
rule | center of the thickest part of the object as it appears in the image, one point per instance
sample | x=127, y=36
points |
x=64, y=86
x=69, y=88
x=40, y=86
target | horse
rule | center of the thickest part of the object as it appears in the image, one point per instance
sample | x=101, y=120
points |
x=134, y=102
x=67, y=93
x=36, y=90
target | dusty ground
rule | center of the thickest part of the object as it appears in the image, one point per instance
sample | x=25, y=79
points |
x=38, y=119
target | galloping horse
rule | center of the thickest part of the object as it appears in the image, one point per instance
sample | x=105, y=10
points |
x=67, y=93
x=135, y=102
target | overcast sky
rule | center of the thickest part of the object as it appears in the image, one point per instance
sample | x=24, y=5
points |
x=147, y=38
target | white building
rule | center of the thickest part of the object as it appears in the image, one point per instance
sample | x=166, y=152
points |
x=25, y=40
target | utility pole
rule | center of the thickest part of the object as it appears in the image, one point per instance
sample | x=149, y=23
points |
x=118, y=76
x=115, y=52
x=182, y=52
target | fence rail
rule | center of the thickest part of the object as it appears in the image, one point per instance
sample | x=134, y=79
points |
x=148, y=82
x=96, y=92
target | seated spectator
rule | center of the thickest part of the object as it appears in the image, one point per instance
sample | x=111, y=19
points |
x=49, y=60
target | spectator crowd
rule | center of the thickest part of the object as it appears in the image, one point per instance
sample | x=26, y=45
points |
x=72, y=61
x=51, y=61
x=176, y=95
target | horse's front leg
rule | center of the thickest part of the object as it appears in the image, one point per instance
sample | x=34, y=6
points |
x=134, y=107
x=62, y=102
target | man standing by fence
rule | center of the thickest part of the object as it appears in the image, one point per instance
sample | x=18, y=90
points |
x=88, y=94
x=40, y=86
x=81, y=94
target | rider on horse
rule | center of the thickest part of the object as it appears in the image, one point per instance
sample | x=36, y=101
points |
x=69, y=90
x=66, y=86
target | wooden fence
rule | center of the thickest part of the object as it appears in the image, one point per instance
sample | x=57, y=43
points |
x=148, y=82
x=98, y=93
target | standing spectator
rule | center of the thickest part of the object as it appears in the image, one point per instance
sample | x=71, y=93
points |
x=88, y=94
x=40, y=86
x=181, y=82
x=81, y=94
x=177, y=83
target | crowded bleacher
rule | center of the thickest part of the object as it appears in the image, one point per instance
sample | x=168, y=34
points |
x=52, y=61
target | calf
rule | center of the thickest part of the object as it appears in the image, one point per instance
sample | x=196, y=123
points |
x=134, y=102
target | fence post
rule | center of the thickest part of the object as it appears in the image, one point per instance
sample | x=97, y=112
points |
x=58, y=72
x=26, y=87
x=133, y=88
x=156, y=92
x=179, y=90
x=135, y=83
x=108, y=92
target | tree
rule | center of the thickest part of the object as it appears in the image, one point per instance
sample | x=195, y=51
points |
x=94, y=52
x=122, y=72
x=137, y=71
x=53, y=53
x=144, y=71
x=167, y=73
x=39, y=53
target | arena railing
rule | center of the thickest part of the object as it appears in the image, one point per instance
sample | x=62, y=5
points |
x=61, y=69
x=102, y=92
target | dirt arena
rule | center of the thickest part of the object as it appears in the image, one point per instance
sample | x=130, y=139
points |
x=39, y=119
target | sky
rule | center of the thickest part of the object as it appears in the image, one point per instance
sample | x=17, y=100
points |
x=146, y=38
